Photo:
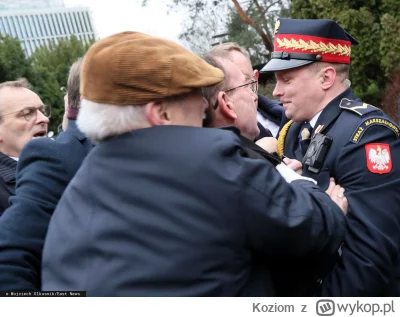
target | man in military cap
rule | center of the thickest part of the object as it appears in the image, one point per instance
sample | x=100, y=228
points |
x=336, y=135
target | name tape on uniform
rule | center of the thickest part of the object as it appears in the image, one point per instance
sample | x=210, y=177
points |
x=356, y=137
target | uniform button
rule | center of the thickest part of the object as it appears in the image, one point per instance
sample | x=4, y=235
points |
x=319, y=281
x=348, y=104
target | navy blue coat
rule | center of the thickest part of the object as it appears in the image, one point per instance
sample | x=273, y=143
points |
x=8, y=167
x=370, y=262
x=45, y=168
x=181, y=211
x=271, y=110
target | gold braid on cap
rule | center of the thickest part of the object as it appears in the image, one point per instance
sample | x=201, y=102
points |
x=282, y=137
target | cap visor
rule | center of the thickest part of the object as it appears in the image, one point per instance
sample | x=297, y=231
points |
x=282, y=64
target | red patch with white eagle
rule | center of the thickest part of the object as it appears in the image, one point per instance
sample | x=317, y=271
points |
x=379, y=160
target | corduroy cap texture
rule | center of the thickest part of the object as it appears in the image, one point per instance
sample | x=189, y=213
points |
x=134, y=68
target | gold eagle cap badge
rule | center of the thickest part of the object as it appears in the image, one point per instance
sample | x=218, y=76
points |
x=277, y=25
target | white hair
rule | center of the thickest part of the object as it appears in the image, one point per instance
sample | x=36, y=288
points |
x=99, y=121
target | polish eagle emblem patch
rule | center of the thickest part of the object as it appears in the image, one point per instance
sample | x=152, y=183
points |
x=379, y=160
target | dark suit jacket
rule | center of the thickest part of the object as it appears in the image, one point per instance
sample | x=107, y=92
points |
x=45, y=168
x=8, y=167
x=270, y=109
x=180, y=211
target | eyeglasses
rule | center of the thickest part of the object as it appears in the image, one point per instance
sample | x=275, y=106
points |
x=253, y=83
x=254, y=88
x=30, y=113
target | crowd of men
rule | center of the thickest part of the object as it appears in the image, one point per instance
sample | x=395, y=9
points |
x=173, y=176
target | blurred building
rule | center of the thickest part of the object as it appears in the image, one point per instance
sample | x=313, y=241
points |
x=38, y=22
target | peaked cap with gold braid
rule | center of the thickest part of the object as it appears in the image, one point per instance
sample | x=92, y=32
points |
x=300, y=42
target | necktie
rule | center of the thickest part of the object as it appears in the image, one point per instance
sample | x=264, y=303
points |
x=306, y=131
x=305, y=138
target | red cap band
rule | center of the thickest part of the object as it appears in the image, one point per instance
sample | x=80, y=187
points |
x=334, y=51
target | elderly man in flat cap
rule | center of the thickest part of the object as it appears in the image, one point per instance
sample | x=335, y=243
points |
x=336, y=135
x=162, y=206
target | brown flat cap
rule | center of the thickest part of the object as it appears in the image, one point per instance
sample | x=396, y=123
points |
x=134, y=68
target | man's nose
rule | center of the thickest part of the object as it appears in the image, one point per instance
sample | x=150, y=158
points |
x=41, y=118
x=277, y=90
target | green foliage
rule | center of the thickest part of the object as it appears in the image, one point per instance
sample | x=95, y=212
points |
x=46, y=69
x=50, y=67
x=208, y=18
x=247, y=36
x=13, y=63
x=376, y=25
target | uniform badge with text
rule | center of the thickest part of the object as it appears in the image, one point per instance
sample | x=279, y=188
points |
x=379, y=160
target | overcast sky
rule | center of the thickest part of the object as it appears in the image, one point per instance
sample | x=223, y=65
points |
x=112, y=16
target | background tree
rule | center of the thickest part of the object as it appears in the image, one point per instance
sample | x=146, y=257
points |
x=249, y=23
x=241, y=21
x=49, y=73
x=376, y=61
x=252, y=27
x=13, y=63
x=46, y=69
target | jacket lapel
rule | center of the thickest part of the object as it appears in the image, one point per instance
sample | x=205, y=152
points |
x=332, y=111
x=8, y=167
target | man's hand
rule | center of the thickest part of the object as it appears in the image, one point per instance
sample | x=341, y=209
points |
x=336, y=192
x=294, y=165
x=269, y=144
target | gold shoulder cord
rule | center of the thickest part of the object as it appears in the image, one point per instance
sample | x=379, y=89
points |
x=282, y=137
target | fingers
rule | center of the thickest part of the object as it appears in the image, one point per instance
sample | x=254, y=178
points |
x=294, y=165
x=269, y=144
x=337, y=195
x=331, y=186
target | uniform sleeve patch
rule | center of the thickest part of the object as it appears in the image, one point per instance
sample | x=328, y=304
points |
x=356, y=137
x=379, y=160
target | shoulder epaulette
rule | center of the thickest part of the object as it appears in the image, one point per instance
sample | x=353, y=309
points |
x=357, y=106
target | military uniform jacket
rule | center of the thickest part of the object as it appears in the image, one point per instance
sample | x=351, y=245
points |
x=364, y=158
x=181, y=211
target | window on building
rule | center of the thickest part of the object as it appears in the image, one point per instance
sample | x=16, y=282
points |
x=60, y=23
x=89, y=21
x=49, y=26
x=73, y=23
x=70, y=23
x=6, y=25
x=37, y=25
x=83, y=22
x=31, y=25
x=2, y=29
x=65, y=24
x=42, y=26
x=55, y=23
x=79, y=22
x=26, y=31
x=12, y=26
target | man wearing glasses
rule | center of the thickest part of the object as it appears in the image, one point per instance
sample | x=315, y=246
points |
x=235, y=104
x=23, y=117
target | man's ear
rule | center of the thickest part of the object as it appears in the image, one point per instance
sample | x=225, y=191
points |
x=256, y=74
x=328, y=77
x=157, y=113
x=227, y=107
